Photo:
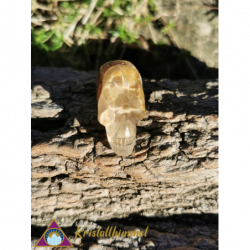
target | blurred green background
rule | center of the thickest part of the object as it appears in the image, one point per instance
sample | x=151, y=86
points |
x=162, y=38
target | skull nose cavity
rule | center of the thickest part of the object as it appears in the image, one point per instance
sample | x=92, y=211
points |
x=126, y=130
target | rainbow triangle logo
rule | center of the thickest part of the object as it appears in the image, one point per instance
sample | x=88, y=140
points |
x=53, y=237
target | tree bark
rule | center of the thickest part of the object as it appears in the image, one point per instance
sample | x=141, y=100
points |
x=75, y=175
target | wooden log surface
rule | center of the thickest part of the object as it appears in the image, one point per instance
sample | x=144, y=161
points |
x=76, y=176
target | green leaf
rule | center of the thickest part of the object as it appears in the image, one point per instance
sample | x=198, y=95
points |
x=110, y=13
x=100, y=3
x=152, y=5
x=115, y=33
x=57, y=42
x=171, y=25
x=129, y=8
x=43, y=46
x=65, y=4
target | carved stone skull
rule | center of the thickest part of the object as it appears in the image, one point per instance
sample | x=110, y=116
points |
x=121, y=104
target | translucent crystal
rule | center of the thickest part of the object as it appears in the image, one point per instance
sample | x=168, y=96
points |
x=121, y=104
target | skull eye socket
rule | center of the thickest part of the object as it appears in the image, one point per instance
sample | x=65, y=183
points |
x=117, y=81
x=107, y=117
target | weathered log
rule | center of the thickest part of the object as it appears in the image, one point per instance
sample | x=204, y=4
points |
x=75, y=175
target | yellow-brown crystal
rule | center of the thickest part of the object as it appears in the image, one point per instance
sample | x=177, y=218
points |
x=121, y=104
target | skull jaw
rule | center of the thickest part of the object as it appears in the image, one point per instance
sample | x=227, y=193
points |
x=122, y=146
x=122, y=135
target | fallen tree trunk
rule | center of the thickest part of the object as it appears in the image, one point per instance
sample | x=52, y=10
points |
x=75, y=175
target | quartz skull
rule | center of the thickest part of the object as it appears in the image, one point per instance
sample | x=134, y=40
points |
x=121, y=104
